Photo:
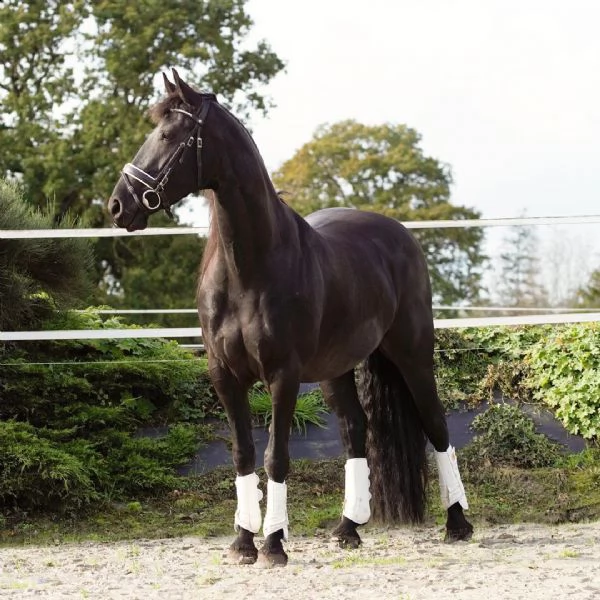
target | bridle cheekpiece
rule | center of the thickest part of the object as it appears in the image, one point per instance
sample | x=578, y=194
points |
x=154, y=198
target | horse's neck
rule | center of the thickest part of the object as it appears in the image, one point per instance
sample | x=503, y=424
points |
x=247, y=216
x=244, y=237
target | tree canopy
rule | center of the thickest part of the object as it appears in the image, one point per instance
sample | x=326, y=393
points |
x=383, y=168
x=588, y=295
x=77, y=78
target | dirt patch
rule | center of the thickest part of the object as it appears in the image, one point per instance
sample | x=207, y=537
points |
x=508, y=561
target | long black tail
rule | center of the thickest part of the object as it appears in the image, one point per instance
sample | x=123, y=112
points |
x=395, y=443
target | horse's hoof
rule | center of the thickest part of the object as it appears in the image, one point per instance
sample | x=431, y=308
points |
x=347, y=542
x=346, y=536
x=463, y=534
x=272, y=559
x=242, y=556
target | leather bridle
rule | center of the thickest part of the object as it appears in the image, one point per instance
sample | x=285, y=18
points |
x=154, y=198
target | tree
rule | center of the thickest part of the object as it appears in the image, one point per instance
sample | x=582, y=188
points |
x=37, y=276
x=382, y=168
x=35, y=84
x=519, y=282
x=588, y=295
x=77, y=78
x=156, y=273
x=567, y=266
x=74, y=97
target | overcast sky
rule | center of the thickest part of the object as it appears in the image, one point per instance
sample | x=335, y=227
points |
x=505, y=91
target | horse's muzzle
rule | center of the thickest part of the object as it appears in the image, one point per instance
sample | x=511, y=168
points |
x=122, y=217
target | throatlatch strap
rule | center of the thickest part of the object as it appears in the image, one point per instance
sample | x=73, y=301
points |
x=451, y=486
x=276, y=517
x=248, y=514
x=356, y=493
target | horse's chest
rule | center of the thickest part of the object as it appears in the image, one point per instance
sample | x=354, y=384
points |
x=235, y=329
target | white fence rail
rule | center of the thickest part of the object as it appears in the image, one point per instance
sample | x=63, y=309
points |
x=192, y=332
x=193, y=311
x=19, y=234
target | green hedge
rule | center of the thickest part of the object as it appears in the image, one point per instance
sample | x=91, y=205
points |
x=70, y=410
x=91, y=383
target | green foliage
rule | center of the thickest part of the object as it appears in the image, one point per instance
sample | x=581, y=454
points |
x=507, y=437
x=37, y=276
x=70, y=410
x=35, y=81
x=587, y=459
x=65, y=133
x=52, y=469
x=108, y=381
x=36, y=469
x=564, y=372
x=121, y=49
x=556, y=365
x=383, y=169
x=460, y=366
x=153, y=272
x=310, y=408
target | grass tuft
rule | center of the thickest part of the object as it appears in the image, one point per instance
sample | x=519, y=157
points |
x=310, y=408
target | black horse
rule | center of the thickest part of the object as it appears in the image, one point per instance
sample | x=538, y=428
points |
x=283, y=299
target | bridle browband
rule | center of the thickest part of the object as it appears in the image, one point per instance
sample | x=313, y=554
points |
x=154, y=199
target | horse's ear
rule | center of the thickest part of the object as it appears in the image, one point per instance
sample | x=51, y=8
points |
x=169, y=87
x=185, y=91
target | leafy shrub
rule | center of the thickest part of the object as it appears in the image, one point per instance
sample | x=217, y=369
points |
x=553, y=364
x=36, y=276
x=37, y=469
x=140, y=465
x=50, y=469
x=460, y=365
x=564, y=373
x=507, y=437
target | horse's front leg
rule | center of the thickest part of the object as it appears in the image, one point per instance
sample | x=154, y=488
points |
x=284, y=391
x=234, y=398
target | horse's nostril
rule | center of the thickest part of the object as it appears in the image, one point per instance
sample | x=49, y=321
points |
x=115, y=207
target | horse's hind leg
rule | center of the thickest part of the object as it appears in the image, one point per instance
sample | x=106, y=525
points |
x=342, y=397
x=415, y=362
x=234, y=398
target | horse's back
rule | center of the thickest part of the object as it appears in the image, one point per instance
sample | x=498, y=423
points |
x=349, y=224
x=370, y=239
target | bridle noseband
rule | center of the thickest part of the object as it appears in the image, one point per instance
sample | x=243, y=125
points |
x=154, y=198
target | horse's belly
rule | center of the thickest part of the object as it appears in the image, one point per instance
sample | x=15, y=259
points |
x=337, y=356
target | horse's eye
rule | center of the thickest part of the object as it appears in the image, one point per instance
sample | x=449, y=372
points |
x=164, y=135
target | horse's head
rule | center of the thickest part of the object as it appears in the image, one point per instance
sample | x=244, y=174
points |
x=168, y=166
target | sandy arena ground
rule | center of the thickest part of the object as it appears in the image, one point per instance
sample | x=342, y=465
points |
x=511, y=561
